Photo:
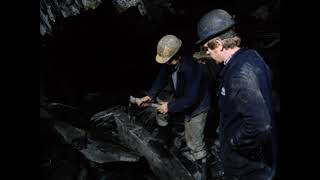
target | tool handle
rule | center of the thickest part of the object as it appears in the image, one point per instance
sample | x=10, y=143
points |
x=152, y=105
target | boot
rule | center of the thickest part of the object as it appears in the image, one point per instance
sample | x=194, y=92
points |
x=199, y=170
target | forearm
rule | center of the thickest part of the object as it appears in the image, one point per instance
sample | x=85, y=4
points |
x=158, y=84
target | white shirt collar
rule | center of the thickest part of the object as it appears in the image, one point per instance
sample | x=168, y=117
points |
x=227, y=60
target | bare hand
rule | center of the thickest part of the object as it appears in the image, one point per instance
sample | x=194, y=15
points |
x=142, y=100
x=163, y=108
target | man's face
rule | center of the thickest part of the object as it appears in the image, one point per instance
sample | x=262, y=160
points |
x=172, y=61
x=214, y=49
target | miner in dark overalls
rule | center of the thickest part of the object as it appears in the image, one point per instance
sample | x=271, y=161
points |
x=245, y=100
x=191, y=97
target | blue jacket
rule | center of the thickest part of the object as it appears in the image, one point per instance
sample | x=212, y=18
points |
x=245, y=103
x=192, y=95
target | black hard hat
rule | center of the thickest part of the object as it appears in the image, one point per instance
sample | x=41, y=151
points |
x=213, y=24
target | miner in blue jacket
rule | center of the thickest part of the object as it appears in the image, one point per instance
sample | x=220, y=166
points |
x=191, y=97
x=245, y=100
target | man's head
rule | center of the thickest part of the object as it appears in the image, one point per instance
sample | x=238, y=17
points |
x=168, y=50
x=219, y=49
x=216, y=34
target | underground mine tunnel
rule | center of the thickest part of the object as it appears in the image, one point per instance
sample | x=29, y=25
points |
x=95, y=54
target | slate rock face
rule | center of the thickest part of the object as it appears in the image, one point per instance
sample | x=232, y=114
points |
x=123, y=5
x=52, y=10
